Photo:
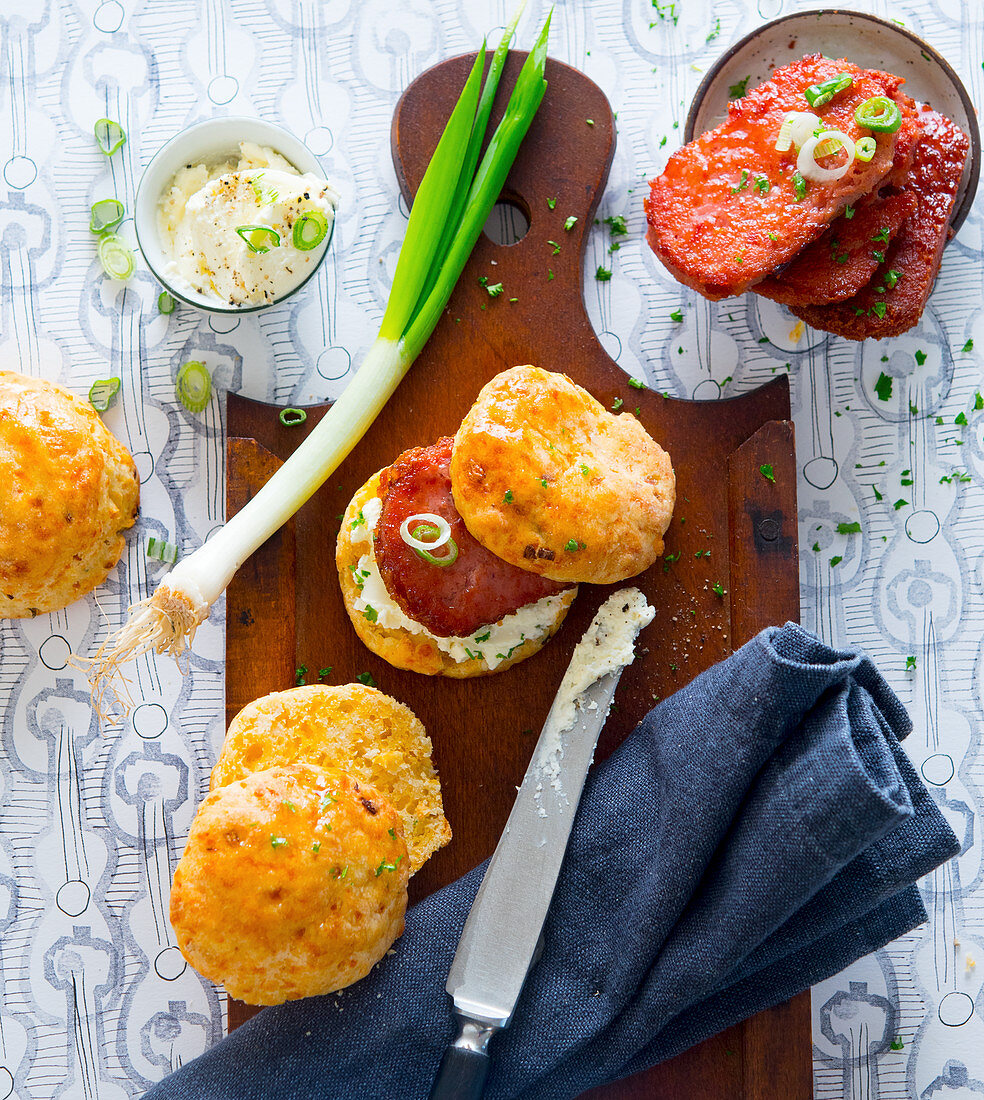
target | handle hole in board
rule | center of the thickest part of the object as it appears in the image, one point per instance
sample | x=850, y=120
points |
x=508, y=223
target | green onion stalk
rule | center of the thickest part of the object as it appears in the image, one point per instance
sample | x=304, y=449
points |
x=452, y=205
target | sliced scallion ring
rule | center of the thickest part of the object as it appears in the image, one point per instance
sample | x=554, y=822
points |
x=193, y=386
x=865, y=149
x=105, y=214
x=430, y=532
x=259, y=238
x=161, y=550
x=310, y=230
x=796, y=127
x=433, y=542
x=880, y=114
x=830, y=141
x=102, y=393
x=291, y=418
x=110, y=135
x=165, y=303
x=819, y=94
x=116, y=257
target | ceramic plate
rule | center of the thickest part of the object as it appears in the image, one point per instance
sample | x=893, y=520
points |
x=864, y=39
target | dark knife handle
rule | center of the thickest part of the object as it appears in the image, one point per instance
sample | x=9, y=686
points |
x=461, y=1075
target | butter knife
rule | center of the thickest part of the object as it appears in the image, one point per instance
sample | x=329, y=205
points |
x=501, y=935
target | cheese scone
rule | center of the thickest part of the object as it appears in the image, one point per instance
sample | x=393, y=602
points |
x=293, y=883
x=68, y=491
x=548, y=479
x=366, y=734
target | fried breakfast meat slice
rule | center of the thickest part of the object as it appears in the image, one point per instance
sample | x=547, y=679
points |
x=729, y=208
x=893, y=300
x=841, y=262
x=477, y=588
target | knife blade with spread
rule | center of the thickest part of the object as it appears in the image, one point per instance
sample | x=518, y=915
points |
x=502, y=931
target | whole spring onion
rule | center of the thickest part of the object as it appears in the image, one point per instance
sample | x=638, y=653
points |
x=823, y=145
x=819, y=94
x=441, y=233
x=116, y=257
x=102, y=393
x=880, y=114
x=105, y=214
x=865, y=149
x=310, y=230
x=110, y=135
x=259, y=238
x=193, y=386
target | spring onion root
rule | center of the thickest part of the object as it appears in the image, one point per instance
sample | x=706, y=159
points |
x=451, y=206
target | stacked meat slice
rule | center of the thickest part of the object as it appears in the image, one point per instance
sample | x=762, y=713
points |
x=856, y=255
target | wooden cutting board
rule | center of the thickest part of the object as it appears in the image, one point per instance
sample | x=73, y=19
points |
x=284, y=609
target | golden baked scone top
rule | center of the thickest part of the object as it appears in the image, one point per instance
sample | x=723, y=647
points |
x=358, y=729
x=68, y=491
x=293, y=883
x=546, y=478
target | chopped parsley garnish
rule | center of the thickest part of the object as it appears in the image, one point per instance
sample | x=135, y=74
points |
x=879, y=256
x=896, y=1043
x=494, y=289
x=617, y=225
x=278, y=841
x=762, y=185
x=551, y=203
x=849, y=212
x=717, y=589
x=677, y=315
x=585, y=470
x=848, y=528
x=900, y=503
x=370, y=613
x=883, y=387
x=636, y=384
x=316, y=847
x=773, y=236
x=554, y=248
x=881, y=236
x=767, y=471
x=799, y=186
x=508, y=496
x=603, y=274
x=299, y=675
x=323, y=673
x=836, y=560
x=960, y=418
x=617, y=404
x=742, y=183
x=737, y=90
x=920, y=357
x=969, y=346
x=359, y=520
x=879, y=309
x=892, y=277
x=978, y=401
x=367, y=679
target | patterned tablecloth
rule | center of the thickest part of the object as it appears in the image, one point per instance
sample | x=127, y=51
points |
x=95, y=999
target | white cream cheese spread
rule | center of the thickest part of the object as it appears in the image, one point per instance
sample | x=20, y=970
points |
x=229, y=228
x=491, y=644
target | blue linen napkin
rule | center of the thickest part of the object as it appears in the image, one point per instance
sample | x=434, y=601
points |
x=760, y=830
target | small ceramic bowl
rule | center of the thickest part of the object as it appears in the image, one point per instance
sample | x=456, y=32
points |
x=864, y=39
x=213, y=140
